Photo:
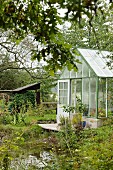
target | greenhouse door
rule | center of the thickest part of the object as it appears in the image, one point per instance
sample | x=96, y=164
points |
x=63, y=98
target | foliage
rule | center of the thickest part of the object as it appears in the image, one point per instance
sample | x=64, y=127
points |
x=15, y=65
x=64, y=122
x=101, y=112
x=18, y=106
x=85, y=149
x=20, y=78
x=20, y=18
x=69, y=109
x=97, y=149
x=2, y=106
x=80, y=107
x=25, y=98
x=27, y=117
x=77, y=119
x=6, y=118
x=35, y=118
x=8, y=150
x=46, y=91
x=32, y=132
x=42, y=111
x=70, y=148
x=96, y=34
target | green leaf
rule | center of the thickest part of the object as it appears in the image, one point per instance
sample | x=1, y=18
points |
x=51, y=72
x=18, y=41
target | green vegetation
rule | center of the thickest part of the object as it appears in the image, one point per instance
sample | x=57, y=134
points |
x=30, y=29
x=84, y=149
x=46, y=117
x=18, y=21
x=24, y=136
x=71, y=148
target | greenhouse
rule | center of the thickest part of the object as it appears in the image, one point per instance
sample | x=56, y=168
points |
x=91, y=85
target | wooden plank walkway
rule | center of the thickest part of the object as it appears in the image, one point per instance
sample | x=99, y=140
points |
x=53, y=127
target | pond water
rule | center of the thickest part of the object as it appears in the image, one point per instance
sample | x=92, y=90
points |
x=26, y=162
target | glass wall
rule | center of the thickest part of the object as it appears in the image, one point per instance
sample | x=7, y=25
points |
x=73, y=74
x=65, y=74
x=85, y=69
x=79, y=66
x=92, y=97
x=73, y=92
x=102, y=98
x=79, y=88
x=92, y=73
x=110, y=96
x=76, y=91
x=77, y=74
x=85, y=95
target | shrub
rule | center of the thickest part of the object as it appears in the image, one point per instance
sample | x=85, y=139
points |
x=32, y=132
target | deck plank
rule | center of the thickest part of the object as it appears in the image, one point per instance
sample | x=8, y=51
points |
x=53, y=127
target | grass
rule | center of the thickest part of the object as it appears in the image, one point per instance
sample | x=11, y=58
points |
x=33, y=119
x=45, y=117
x=87, y=149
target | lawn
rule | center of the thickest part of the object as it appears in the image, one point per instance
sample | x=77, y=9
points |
x=46, y=117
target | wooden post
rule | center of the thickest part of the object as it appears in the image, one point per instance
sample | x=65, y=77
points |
x=37, y=91
x=37, y=97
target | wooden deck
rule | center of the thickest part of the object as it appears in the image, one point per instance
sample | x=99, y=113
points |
x=53, y=127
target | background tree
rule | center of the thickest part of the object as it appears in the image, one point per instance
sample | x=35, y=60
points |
x=41, y=19
x=96, y=35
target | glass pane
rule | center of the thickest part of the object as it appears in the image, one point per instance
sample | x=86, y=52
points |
x=92, y=74
x=65, y=73
x=61, y=85
x=92, y=100
x=65, y=85
x=85, y=95
x=65, y=100
x=79, y=65
x=73, y=74
x=85, y=69
x=79, y=72
x=78, y=94
x=92, y=85
x=76, y=90
x=61, y=93
x=102, y=98
x=110, y=96
x=61, y=100
x=73, y=92
x=65, y=93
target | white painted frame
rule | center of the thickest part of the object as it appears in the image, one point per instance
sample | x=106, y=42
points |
x=60, y=112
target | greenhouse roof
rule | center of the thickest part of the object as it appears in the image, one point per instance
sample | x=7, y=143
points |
x=97, y=60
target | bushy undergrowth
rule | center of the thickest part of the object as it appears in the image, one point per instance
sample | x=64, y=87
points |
x=32, y=132
x=85, y=149
x=71, y=149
